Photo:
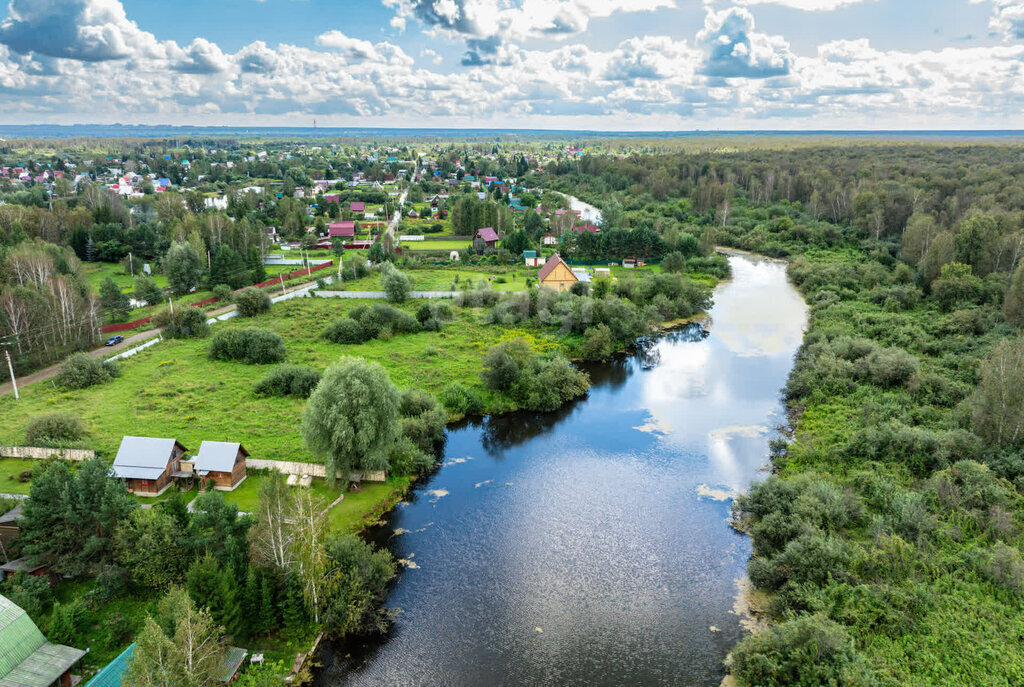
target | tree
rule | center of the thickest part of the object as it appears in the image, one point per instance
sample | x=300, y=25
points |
x=1013, y=303
x=352, y=420
x=147, y=291
x=252, y=301
x=354, y=586
x=998, y=401
x=228, y=267
x=183, y=268
x=396, y=283
x=310, y=545
x=152, y=547
x=918, y=236
x=69, y=519
x=116, y=304
x=213, y=587
x=180, y=647
x=270, y=539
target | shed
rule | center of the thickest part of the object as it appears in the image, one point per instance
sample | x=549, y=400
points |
x=531, y=259
x=112, y=674
x=222, y=463
x=27, y=659
x=24, y=565
x=556, y=274
x=146, y=464
x=9, y=524
x=232, y=661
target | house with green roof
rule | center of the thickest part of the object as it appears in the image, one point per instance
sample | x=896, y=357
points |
x=27, y=659
x=112, y=673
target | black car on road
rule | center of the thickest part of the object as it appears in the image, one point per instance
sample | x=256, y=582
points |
x=114, y=340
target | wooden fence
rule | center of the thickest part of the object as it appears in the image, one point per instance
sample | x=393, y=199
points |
x=311, y=469
x=41, y=453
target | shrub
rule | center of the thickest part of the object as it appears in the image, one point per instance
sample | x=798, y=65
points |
x=33, y=594
x=504, y=363
x=396, y=284
x=460, y=399
x=423, y=420
x=432, y=316
x=889, y=367
x=147, y=291
x=289, y=380
x=806, y=652
x=346, y=331
x=251, y=346
x=81, y=371
x=187, y=323
x=549, y=382
x=597, y=343
x=54, y=429
x=252, y=301
x=223, y=293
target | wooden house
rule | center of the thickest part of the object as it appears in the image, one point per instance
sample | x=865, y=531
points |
x=556, y=274
x=147, y=465
x=485, y=238
x=221, y=464
x=548, y=239
x=342, y=230
x=9, y=528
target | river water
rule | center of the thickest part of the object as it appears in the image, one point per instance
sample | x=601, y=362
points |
x=591, y=545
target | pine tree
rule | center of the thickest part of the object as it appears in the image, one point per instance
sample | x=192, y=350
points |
x=113, y=301
x=249, y=602
x=269, y=615
x=293, y=606
x=90, y=250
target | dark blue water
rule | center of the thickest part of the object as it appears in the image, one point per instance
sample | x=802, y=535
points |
x=16, y=131
x=591, y=545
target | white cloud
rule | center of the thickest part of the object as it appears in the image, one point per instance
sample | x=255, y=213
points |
x=806, y=5
x=735, y=49
x=357, y=50
x=431, y=55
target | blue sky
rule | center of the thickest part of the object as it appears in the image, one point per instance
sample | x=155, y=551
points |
x=604, y=64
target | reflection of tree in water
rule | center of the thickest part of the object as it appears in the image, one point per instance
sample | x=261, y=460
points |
x=502, y=432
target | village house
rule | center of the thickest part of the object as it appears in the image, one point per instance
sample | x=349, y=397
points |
x=485, y=238
x=147, y=465
x=27, y=659
x=548, y=240
x=220, y=464
x=343, y=230
x=10, y=522
x=556, y=274
x=531, y=259
x=588, y=228
x=357, y=206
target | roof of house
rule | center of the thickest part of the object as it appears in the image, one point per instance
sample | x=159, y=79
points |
x=487, y=234
x=589, y=227
x=217, y=456
x=231, y=663
x=26, y=658
x=23, y=564
x=357, y=206
x=13, y=515
x=342, y=228
x=143, y=457
x=112, y=673
x=529, y=253
x=550, y=266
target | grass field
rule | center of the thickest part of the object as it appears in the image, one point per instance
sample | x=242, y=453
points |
x=10, y=468
x=445, y=280
x=173, y=390
x=435, y=245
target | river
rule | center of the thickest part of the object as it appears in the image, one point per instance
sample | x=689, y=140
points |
x=591, y=545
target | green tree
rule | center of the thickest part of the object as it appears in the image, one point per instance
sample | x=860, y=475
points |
x=998, y=401
x=147, y=291
x=69, y=518
x=396, y=283
x=352, y=419
x=1013, y=302
x=228, y=267
x=355, y=586
x=152, y=547
x=115, y=303
x=213, y=587
x=183, y=268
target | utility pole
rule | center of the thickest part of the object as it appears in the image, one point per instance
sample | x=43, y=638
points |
x=284, y=291
x=10, y=367
x=171, y=301
x=131, y=263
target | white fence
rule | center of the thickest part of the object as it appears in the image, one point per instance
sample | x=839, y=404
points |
x=40, y=453
x=311, y=469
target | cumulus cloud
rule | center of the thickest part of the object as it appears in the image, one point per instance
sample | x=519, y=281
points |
x=90, y=30
x=1008, y=19
x=356, y=50
x=806, y=5
x=735, y=49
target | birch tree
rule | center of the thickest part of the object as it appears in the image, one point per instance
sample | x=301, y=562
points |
x=270, y=539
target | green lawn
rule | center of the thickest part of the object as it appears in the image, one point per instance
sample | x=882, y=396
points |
x=435, y=245
x=10, y=468
x=173, y=390
x=445, y=280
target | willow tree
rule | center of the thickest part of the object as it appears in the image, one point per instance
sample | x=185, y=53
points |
x=352, y=418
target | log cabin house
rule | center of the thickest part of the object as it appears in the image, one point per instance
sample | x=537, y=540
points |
x=221, y=464
x=147, y=465
x=556, y=274
x=27, y=659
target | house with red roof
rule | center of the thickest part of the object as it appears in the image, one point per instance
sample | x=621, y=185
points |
x=485, y=238
x=345, y=230
x=357, y=206
x=556, y=274
x=590, y=227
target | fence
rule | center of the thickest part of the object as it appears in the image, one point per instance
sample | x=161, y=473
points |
x=41, y=453
x=128, y=326
x=311, y=469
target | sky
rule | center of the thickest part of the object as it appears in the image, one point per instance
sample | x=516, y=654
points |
x=614, y=65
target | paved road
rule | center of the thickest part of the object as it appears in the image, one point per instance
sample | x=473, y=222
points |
x=398, y=207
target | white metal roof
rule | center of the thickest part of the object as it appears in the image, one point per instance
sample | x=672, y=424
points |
x=216, y=456
x=142, y=457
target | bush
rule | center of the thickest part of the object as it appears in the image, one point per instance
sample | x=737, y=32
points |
x=54, y=429
x=597, y=343
x=33, y=594
x=147, y=291
x=423, y=420
x=396, y=284
x=289, y=380
x=889, y=367
x=250, y=346
x=81, y=371
x=460, y=399
x=346, y=331
x=806, y=652
x=223, y=293
x=252, y=301
x=187, y=323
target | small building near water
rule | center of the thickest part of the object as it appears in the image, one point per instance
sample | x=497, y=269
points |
x=556, y=274
x=146, y=464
